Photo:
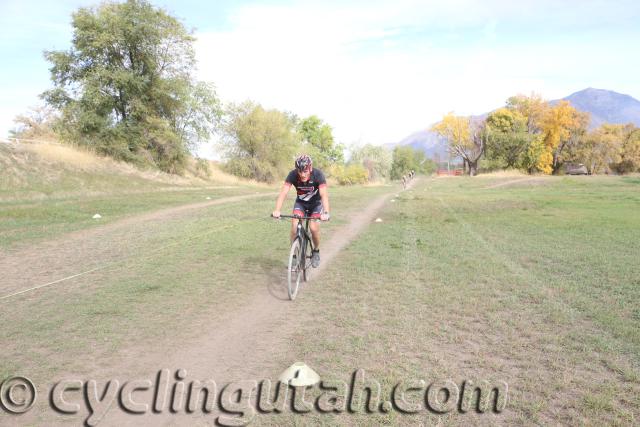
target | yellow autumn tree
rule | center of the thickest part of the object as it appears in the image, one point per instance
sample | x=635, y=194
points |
x=466, y=138
x=455, y=129
x=560, y=124
x=630, y=153
x=533, y=108
x=601, y=148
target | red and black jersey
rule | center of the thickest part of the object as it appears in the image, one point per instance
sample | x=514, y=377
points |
x=307, y=191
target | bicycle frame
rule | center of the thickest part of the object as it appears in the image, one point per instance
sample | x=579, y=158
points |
x=303, y=232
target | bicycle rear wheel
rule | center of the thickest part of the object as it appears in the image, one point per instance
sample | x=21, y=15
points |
x=295, y=268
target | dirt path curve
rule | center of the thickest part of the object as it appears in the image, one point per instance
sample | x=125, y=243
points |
x=532, y=180
x=51, y=262
x=240, y=346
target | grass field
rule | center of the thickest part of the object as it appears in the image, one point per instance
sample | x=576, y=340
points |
x=167, y=269
x=531, y=282
x=536, y=285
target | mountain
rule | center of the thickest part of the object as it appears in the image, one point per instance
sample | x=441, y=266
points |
x=430, y=142
x=606, y=106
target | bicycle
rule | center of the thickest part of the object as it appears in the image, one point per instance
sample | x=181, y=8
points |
x=299, y=255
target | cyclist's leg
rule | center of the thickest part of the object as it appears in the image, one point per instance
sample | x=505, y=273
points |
x=298, y=209
x=315, y=234
x=315, y=210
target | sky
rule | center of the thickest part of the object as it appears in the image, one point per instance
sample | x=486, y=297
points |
x=375, y=71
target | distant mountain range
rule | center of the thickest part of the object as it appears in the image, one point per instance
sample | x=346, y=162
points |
x=605, y=106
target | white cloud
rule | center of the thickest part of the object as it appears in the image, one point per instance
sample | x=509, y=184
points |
x=363, y=71
x=378, y=70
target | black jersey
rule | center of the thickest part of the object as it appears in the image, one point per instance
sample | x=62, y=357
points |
x=307, y=191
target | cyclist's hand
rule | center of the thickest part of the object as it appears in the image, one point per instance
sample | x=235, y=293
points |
x=325, y=216
x=276, y=214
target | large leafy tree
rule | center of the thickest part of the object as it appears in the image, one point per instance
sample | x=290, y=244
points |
x=599, y=149
x=406, y=159
x=532, y=108
x=562, y=125
x=467, y=138
x=510, y=138
x=551, y=130
x=375, y=159
x=126, y=86
x=630, y=155
x=259, y=144
x=319, y=143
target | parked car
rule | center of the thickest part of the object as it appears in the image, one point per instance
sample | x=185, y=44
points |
x=578, y=169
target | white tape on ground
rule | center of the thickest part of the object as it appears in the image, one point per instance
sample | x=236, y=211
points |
x=51, y=283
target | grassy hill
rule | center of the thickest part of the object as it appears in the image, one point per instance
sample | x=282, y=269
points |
x=49, y=189
x=36, y=171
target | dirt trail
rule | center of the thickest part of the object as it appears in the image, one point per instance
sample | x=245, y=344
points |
x=239, y=346
x=533, y=180
x=83, y=251
x=242, y=345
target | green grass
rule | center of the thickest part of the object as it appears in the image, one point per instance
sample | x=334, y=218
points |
x=536, y=286
x=533, y=285
x=28, y=221
x=46, y=195
x=179, y=270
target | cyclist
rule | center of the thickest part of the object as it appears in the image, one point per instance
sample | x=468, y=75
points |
x=312, y=200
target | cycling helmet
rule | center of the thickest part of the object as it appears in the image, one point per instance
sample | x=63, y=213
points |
x=303, y=162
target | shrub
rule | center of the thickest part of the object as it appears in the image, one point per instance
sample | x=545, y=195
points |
x=351, y=174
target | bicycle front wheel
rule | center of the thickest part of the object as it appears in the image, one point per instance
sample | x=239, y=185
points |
x=306, y=256
x=295, y=268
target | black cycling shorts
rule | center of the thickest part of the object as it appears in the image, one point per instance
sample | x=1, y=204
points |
x=312, y=209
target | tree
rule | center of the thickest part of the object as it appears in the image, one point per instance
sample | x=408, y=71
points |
x=466, y=138
x=126, y=86
x=510, y=138
x=402, y=161
x=38, y=124
x=599, y=149
x=630, y=150
x=318, y=138
x=375, y=159
x=259, y=144
x=405, y=159
x=532, y=108
x=561, y=125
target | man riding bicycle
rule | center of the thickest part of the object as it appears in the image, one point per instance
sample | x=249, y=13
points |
x=312, y=200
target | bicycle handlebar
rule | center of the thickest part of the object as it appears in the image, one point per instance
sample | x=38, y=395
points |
x=296, y=217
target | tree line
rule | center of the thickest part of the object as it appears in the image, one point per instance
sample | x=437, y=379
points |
x=261, y=144
x=534, y=135
x=127, y=89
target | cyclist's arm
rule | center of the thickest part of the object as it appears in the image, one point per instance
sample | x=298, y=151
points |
x=283, y=195
x=324, y=196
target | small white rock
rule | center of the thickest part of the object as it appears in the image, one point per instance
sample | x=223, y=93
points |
x=393, y=200
x=97, y=216
x=378, y=220
x=208, y=198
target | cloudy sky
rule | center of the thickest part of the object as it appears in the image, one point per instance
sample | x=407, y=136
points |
x=376, y=71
